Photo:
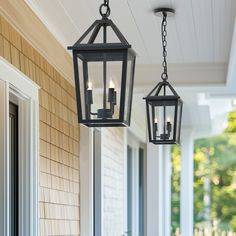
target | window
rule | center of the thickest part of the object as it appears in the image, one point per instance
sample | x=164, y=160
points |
x=112, y=183
x=13, y=159
x=18, y=153
x=135, y=187
x=141, y=191
x=129, y=190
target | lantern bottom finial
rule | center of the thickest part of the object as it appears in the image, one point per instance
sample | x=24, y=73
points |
x=165, y=136
x=104, y=113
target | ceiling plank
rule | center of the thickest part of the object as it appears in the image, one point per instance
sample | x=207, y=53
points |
x=81, y=15
x=223, y=23
x=186, y=30
x=203, y=23
x=150, y=27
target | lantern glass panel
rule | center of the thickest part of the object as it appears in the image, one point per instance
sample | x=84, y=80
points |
x=178, y=123
x=162, y=121
x=83, y=88
x=129, y=87
x=95, y=68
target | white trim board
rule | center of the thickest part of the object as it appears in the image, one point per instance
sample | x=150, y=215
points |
x=15, y=86
x=18, y=80
x=86, y=181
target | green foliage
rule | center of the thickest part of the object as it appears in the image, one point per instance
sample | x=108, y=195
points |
x=175, y=187
x=215, y=161
x=222, y=173
x=231, y=123
x=233, y=223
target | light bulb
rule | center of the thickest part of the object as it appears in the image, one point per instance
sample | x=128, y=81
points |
x=90, y=85
x=155, y=121
x=111, y=84
x=168, y=119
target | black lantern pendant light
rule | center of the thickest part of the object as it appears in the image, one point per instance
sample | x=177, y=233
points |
x=163, y=104
x=104, y=65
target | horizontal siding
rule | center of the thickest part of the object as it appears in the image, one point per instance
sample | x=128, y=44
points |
x=59, y=135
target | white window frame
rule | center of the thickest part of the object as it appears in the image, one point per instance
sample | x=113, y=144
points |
x=86, y=181
x=18, y=88
x=89, y=221
x=135, y=144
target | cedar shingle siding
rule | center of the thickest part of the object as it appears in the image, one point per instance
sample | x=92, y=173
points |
x=59, y=135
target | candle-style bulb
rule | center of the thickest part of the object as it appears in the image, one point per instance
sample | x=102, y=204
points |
x=90, y=85
x=89, y=93
x=111, y=84
x=114, y=98
x=112, y=93
x=169, y=126
x=155, y=128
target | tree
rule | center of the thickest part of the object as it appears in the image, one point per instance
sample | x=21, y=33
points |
x=175, y=188
x=222, y=171
x=215, y=161
x=231, y=123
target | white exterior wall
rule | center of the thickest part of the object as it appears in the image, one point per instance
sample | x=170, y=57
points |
x=113, y=156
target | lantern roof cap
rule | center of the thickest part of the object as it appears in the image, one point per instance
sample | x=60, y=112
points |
x=88, y=39
x=163, y=89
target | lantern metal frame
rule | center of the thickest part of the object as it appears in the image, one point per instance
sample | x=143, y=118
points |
x=96, y=52
x=159, y=97
x=154, y=98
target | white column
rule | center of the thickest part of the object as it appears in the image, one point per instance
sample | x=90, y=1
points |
x=86, y=181
x=186, y=193
x=154, y=190
x=158, y=190
x=167, y=189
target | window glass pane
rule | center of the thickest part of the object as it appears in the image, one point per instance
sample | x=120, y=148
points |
x=129, y=190
x=141, y=192
x=13, y=159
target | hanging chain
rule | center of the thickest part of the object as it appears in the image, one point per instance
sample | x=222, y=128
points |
x=107, y=8
x=164, y=75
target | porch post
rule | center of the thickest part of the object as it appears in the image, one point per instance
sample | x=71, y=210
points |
x=186, y=193
x=86, y=181
x=154, y=190
x=167, y=190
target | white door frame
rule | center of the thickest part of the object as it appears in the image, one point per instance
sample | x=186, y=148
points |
x=86, y=181
x=135, y=143
x=16, y=87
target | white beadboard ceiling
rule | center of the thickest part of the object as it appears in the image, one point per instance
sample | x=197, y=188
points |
x=200, y=33
x=199, y=44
